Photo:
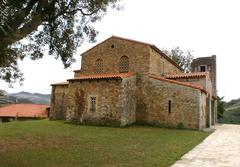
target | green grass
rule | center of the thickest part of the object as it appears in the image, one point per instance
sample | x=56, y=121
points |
x=46, y=143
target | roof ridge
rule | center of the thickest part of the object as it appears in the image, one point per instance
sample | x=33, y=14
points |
x=165, y=56
x=132, y=40
x=95, y=46
x=114, y=36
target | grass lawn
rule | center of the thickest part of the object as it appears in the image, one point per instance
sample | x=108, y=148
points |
x=46, y=143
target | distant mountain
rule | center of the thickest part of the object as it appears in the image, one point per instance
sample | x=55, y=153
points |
x=235, y=103
x=24, y=97
x=32, y=97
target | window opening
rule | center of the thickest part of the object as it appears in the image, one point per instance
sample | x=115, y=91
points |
x=124, y=64
x=202, y=68
x=169, y=106
x=93, y=104
x=99, y=66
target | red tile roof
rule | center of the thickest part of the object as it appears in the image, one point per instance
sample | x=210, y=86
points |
x=104, y=76
x=60, y=84
x=143, y=43
x=178, y=83
x=24, y=110
x=188, y=75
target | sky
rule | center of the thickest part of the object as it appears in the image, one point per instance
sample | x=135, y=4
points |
x=208, y=27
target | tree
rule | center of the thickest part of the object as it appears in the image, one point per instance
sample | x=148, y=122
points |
x=220, y=107
x=183, y=59
x=57, y=25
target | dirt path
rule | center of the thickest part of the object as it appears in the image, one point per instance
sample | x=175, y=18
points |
x=220, y=149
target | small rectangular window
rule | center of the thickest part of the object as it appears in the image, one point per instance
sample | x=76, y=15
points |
x=163, y=68
x=93, y=103
x=202, y=68
x=169, y=106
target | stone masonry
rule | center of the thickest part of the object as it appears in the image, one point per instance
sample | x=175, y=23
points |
x=122, y=81
x=210, y=65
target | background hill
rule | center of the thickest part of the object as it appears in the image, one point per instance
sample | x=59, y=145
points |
x=24, y=97
x=33, y=97
x=232, y=112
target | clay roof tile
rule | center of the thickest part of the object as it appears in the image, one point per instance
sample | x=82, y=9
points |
x=24, y=110
x=103, y=76
x=187, y=75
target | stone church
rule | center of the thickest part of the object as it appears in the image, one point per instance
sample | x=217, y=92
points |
x=122, y=81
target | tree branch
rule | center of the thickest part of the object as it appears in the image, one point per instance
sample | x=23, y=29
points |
x=83, y=13
x=30, y=26
x=19, y=18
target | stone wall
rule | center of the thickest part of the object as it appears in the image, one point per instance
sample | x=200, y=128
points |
x=58, y=108
x=185, y=102
x=110, y=51
x=115, y=101
x=143, y=59
x=161, y=66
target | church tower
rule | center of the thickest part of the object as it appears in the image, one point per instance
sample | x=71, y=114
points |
x=206, y=64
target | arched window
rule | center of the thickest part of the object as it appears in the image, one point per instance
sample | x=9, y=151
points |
x=99, y=66
x=124, y=64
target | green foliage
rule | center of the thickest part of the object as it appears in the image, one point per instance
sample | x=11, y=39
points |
x=220, y=107
x=232, y=112
x=59, y=26
x=182, y=58
x=231, y=116
x=2, y=93
x=52, y=143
